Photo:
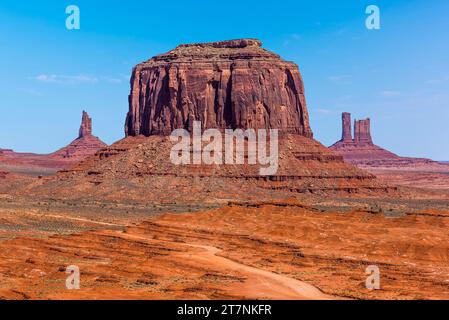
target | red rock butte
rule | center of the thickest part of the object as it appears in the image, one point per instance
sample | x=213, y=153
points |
x=85, y=145
x=86, y=126
x=225, y=85
x=361, y=150
x=35, y=164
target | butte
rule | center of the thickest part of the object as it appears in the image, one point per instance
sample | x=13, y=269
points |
x=46, y=164
x=233, y=84
x=360, y=151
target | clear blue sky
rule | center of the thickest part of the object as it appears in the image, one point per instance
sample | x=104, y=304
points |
x=398, y=76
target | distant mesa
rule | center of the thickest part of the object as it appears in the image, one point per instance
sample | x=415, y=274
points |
x=225, y=85
x=362, y=152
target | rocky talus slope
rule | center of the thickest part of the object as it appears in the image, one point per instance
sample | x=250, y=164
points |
x=139, y=169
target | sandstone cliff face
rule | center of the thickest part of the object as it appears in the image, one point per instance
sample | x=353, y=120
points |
x=347, y=131
x=362, y=132
x=229, y=84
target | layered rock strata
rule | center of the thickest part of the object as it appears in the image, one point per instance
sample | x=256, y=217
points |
x=139, y=169
x=86, y=126
x=347, y=130
x=230, y=84
x=225, y=85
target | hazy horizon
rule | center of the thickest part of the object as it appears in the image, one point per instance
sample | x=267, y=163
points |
x=398, y=76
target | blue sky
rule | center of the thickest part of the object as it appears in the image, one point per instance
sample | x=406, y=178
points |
x=398, y=76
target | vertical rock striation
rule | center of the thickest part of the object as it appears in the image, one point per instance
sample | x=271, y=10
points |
x=86, y=126
x=230, y=84
x=347, y=130
x=362, y=132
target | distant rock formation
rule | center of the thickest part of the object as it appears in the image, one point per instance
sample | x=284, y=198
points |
x=86, y=126
x=85, y=145
x=362, y=132
x=36, y=164
x=229, y=84
x=362, y=152
x=347, y=131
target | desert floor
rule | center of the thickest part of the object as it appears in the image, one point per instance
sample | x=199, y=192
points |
x=282, y=250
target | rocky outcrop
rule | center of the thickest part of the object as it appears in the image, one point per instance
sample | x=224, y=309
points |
x=85, y=145
x=230, y=84
x=46, y=164
x=362, y=152
x=86, y=126
x=362, y=132
x=347, y=131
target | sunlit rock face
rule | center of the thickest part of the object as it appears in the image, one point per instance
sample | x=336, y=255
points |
x=225, y=85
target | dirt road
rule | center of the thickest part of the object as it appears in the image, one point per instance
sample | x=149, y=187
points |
x=260, y=284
